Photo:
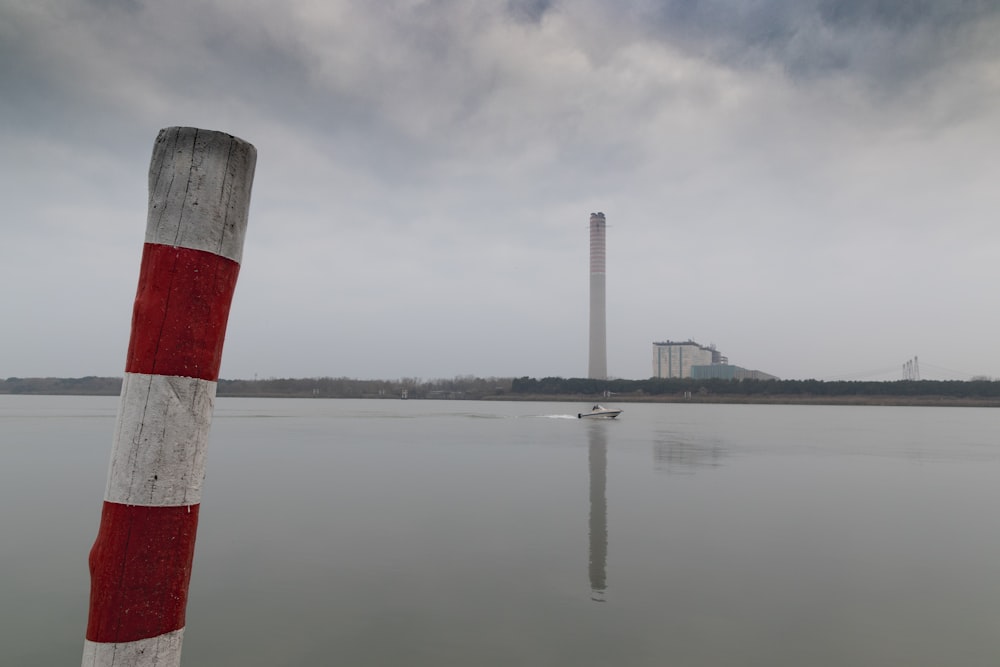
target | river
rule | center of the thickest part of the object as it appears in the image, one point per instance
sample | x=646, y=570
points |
x=389, y=532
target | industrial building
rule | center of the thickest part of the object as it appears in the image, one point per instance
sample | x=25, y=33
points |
x=728, y=372
x=688, y=359
x=672, y=359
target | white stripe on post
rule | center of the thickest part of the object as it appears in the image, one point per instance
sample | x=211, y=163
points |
x=200, y=205
x=162, y=431
x=166, y=648
x=140, y=565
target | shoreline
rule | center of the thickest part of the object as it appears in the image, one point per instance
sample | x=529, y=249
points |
x=858, y=400
x=894, y=401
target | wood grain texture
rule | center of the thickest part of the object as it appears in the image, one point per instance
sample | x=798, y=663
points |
x=199, y=190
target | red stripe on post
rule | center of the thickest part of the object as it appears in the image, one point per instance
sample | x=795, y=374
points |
x=140, y=569
x=181, y=310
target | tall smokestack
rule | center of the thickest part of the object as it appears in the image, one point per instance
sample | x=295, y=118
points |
x=598, y=368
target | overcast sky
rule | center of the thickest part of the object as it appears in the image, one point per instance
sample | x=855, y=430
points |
x=811, y=185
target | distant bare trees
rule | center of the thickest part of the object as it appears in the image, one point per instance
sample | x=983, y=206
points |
x=466, y=386
x=85, y=386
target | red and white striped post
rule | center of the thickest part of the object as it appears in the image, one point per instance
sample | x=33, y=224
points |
x=140, y=565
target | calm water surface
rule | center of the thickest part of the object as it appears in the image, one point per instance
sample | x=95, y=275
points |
x=474, y=533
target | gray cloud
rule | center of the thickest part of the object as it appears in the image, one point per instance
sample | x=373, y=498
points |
x=882, y=42
x=529, y=10
x=777, y=178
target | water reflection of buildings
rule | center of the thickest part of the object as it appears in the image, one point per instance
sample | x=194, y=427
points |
x=598, y=457
x=674, y=455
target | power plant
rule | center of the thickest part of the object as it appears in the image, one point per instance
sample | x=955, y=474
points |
x=688, y=359
x=671, y=359
x=598, y=367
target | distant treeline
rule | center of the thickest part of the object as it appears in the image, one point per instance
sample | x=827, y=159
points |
x=85, y=386
x=524, y=388
x=462, y=387
x=554, y=386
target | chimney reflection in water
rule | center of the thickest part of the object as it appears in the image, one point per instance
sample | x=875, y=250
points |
x=598, y=510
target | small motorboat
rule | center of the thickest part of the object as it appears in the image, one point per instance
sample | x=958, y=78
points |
x=599, y=412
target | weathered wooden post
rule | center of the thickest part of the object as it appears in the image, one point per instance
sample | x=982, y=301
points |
x=140, y=565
